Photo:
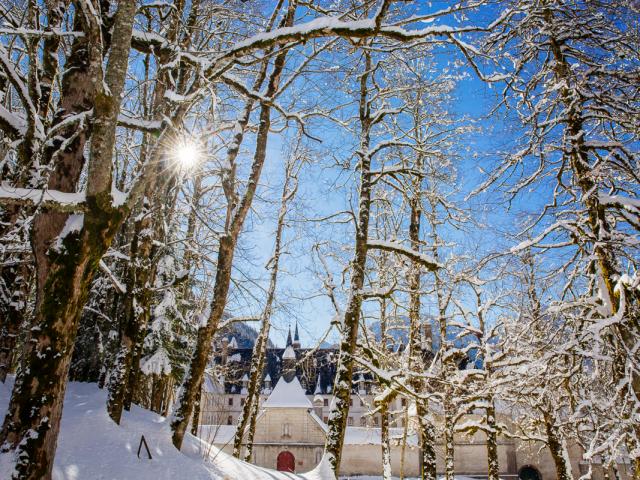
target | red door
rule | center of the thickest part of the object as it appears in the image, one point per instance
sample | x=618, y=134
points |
x=286, y=462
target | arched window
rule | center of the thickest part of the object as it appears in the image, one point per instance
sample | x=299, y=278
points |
x=529, y=472
x=230, y=420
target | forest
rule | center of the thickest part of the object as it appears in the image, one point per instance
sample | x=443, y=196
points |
x=171, y=170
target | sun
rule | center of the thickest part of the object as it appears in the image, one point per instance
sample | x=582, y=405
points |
x=187, y=153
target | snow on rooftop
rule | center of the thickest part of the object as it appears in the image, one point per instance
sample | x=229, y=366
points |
x=288, y=395
x=211, y=385
x=289, y=353
x=233, y=343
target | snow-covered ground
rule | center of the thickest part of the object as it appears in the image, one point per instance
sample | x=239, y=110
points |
x=92, y=447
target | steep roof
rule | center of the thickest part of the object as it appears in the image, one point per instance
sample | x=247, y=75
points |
x=289, y=353
x=288, y=395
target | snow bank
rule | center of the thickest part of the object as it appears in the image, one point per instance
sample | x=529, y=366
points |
x=92, y=447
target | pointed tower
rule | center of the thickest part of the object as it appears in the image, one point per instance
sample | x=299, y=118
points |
x=296, y=338
x=289, y=342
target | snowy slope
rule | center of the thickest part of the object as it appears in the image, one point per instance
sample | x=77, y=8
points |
x=91, y=446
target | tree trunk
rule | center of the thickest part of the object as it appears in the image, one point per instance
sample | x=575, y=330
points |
x=65, y=270
x=492, y=442
x=196, y=412
x=427, y=443
x=252, y=401
x=600, y=228
x=385, y=442
x=343, y=381
x=236, y=215
x=137, y=309
x=557, y=446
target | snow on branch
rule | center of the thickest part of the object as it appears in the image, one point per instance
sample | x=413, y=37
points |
x=54, y=199
x=148, y=126
x=12, y=124
x=114, y=280
x=330, y=26
x=394, y=247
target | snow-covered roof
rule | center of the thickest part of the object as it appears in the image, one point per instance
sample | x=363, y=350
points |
x=288, y=395
x=267, y=378
x=245, y=378
x=289, y=353
x=233, y=343
x=236, y=357
x=211, y=385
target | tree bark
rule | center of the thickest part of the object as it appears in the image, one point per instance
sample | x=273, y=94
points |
x=65, y=271
x=557, y=446
x=492, y=442
x=250, y=409
x=236, y=215
x=342, y=386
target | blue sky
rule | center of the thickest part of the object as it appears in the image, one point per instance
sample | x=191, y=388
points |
x=325, y=190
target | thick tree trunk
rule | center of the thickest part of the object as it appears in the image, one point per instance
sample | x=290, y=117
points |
x=66, y=268
x=343, y=381
x=16, y=272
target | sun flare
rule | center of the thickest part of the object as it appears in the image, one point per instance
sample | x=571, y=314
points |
x=187, y=154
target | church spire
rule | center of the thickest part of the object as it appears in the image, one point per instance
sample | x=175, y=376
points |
x=289, y=342
x=296, y=337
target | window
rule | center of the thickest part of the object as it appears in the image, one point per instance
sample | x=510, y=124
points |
x=350, y=421
x=375, y=421
x=231, y=401
x=326, y=419
x=230, y=420
x=404, y=402
x=363, y=421
x=242, y=402
x=326, y=402
x=286, y=431
x=351, y=402
x=361, y=403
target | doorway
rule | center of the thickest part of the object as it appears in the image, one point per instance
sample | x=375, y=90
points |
x=286, y=462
